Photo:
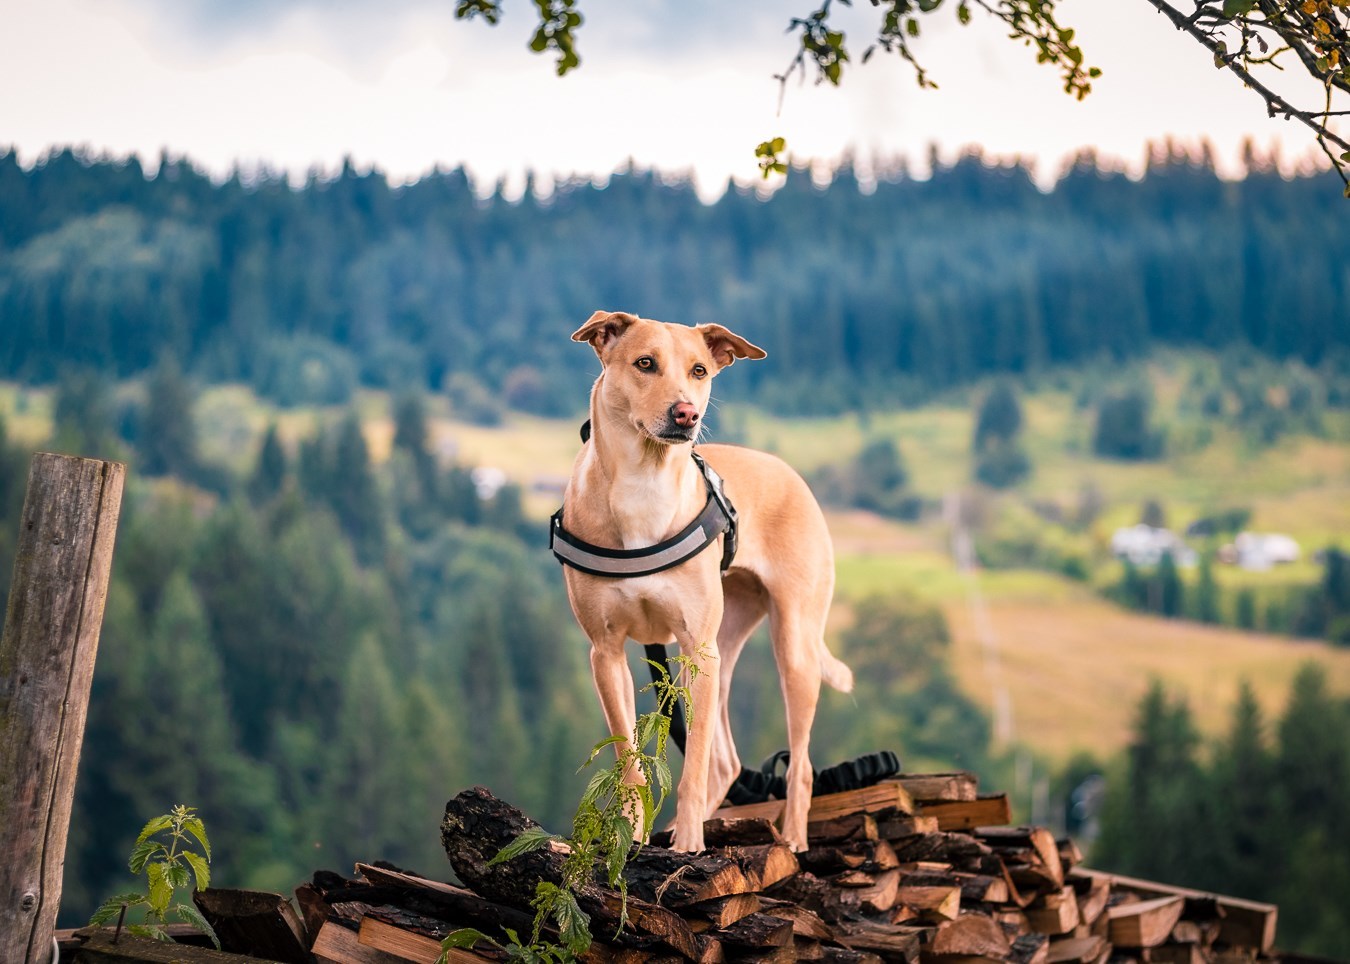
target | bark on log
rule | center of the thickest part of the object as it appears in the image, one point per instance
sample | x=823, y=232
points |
x=477, y=825
x=55, y=613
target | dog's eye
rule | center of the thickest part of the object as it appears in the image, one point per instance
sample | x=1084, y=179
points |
x=700, y=371
x=647, y=363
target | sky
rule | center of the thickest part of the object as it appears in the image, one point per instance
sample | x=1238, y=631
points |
x=686, y=87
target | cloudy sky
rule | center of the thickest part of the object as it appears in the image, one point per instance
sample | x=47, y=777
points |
x=684, y=86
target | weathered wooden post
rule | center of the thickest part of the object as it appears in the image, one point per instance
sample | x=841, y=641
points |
x=46, y=665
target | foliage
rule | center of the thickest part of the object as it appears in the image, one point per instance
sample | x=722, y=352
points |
x=1260, y=815
x=168, y=866
x=1123, y=428
x=990, y=275
x=1245, y=36
x=617, y=807
x=1249, y=38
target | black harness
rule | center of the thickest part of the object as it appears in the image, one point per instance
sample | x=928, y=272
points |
x=717, y=518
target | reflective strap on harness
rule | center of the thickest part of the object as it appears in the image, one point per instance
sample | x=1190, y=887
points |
x=718, y=517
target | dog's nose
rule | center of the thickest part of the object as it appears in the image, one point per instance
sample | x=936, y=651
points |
x=684, y=414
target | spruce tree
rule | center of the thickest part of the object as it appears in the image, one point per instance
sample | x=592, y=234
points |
x=269, y=472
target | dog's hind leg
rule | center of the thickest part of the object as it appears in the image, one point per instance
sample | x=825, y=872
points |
x=744, y=608
x=796, y=649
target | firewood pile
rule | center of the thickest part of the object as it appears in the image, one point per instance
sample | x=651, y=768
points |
x=918, y=869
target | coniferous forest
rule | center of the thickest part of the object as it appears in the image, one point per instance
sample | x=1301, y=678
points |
x=317, y=650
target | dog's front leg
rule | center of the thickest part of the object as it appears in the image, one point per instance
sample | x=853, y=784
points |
x=691, y=805
x=614, y=685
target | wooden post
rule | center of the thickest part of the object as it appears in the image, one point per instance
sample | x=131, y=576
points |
x=46, y=665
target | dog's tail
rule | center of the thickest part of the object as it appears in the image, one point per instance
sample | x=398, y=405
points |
x=833, y=670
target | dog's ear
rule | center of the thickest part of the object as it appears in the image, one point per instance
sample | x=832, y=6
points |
x=604, y=328
x=726, y=346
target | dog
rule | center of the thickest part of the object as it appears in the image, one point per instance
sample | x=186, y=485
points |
x=634, y=484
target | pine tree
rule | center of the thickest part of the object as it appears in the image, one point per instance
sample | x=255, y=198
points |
x=269, y=472
x=168, y=435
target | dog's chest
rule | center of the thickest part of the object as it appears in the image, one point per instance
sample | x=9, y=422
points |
x=643, y=509
x=653, y=609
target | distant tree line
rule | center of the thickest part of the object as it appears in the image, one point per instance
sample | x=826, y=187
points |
x=863, y=297
x=1259, y=814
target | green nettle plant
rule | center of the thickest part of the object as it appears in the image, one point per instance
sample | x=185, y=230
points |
x=602, y=831
x=165, y=863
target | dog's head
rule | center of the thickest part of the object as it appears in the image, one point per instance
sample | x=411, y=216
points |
x=658, y=376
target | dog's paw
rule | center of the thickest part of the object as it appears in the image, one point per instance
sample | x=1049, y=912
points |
x=688, y=843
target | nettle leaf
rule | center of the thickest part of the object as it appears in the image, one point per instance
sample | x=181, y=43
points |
x=112, y=907
x=189, y=914
x=466, y=937
x=595, y=750
x=194, y=826
x=153, y=827
x=530, y=839
x=200, y=869
x=177, y=876
x=143, y=852
x=149, y=930
x=161, y=891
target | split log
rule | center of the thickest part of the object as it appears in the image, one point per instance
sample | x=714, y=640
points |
x=932, y=903
x=867, y=855
x=477, y=825
x=1177, y=954
x=337, y=944
x=983, y=888
x=727, y=832
x=1093, y=894
x=723, y=911
x=254, y=922
x=850, y=827
x=805, y=923
x=986, y=811
x=940, y=787
x=443, y=901
x=1246, y=923
x=880, y=796
x=904, y=826
x=971, y=935
x=875, y=896
x=899, y=945
x=809, y=891
x=755, y=932
x=1079, y=950
x=946, y=847
x=1144, y=923
x=1030, y=949
x=1030, y=851
x=1056, y=913
x=672, y=879
x=764, y=865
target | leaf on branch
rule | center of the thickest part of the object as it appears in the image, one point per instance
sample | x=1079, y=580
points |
x=194, y=826
x=112, y=907
x=189, y=914
x=530, y=839
x=153, y=827
x=145, y=849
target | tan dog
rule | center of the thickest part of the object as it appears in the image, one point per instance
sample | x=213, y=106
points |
x=633, y=485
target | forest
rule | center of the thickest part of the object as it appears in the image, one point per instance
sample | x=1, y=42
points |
x=868, y=299
x=316, y=647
